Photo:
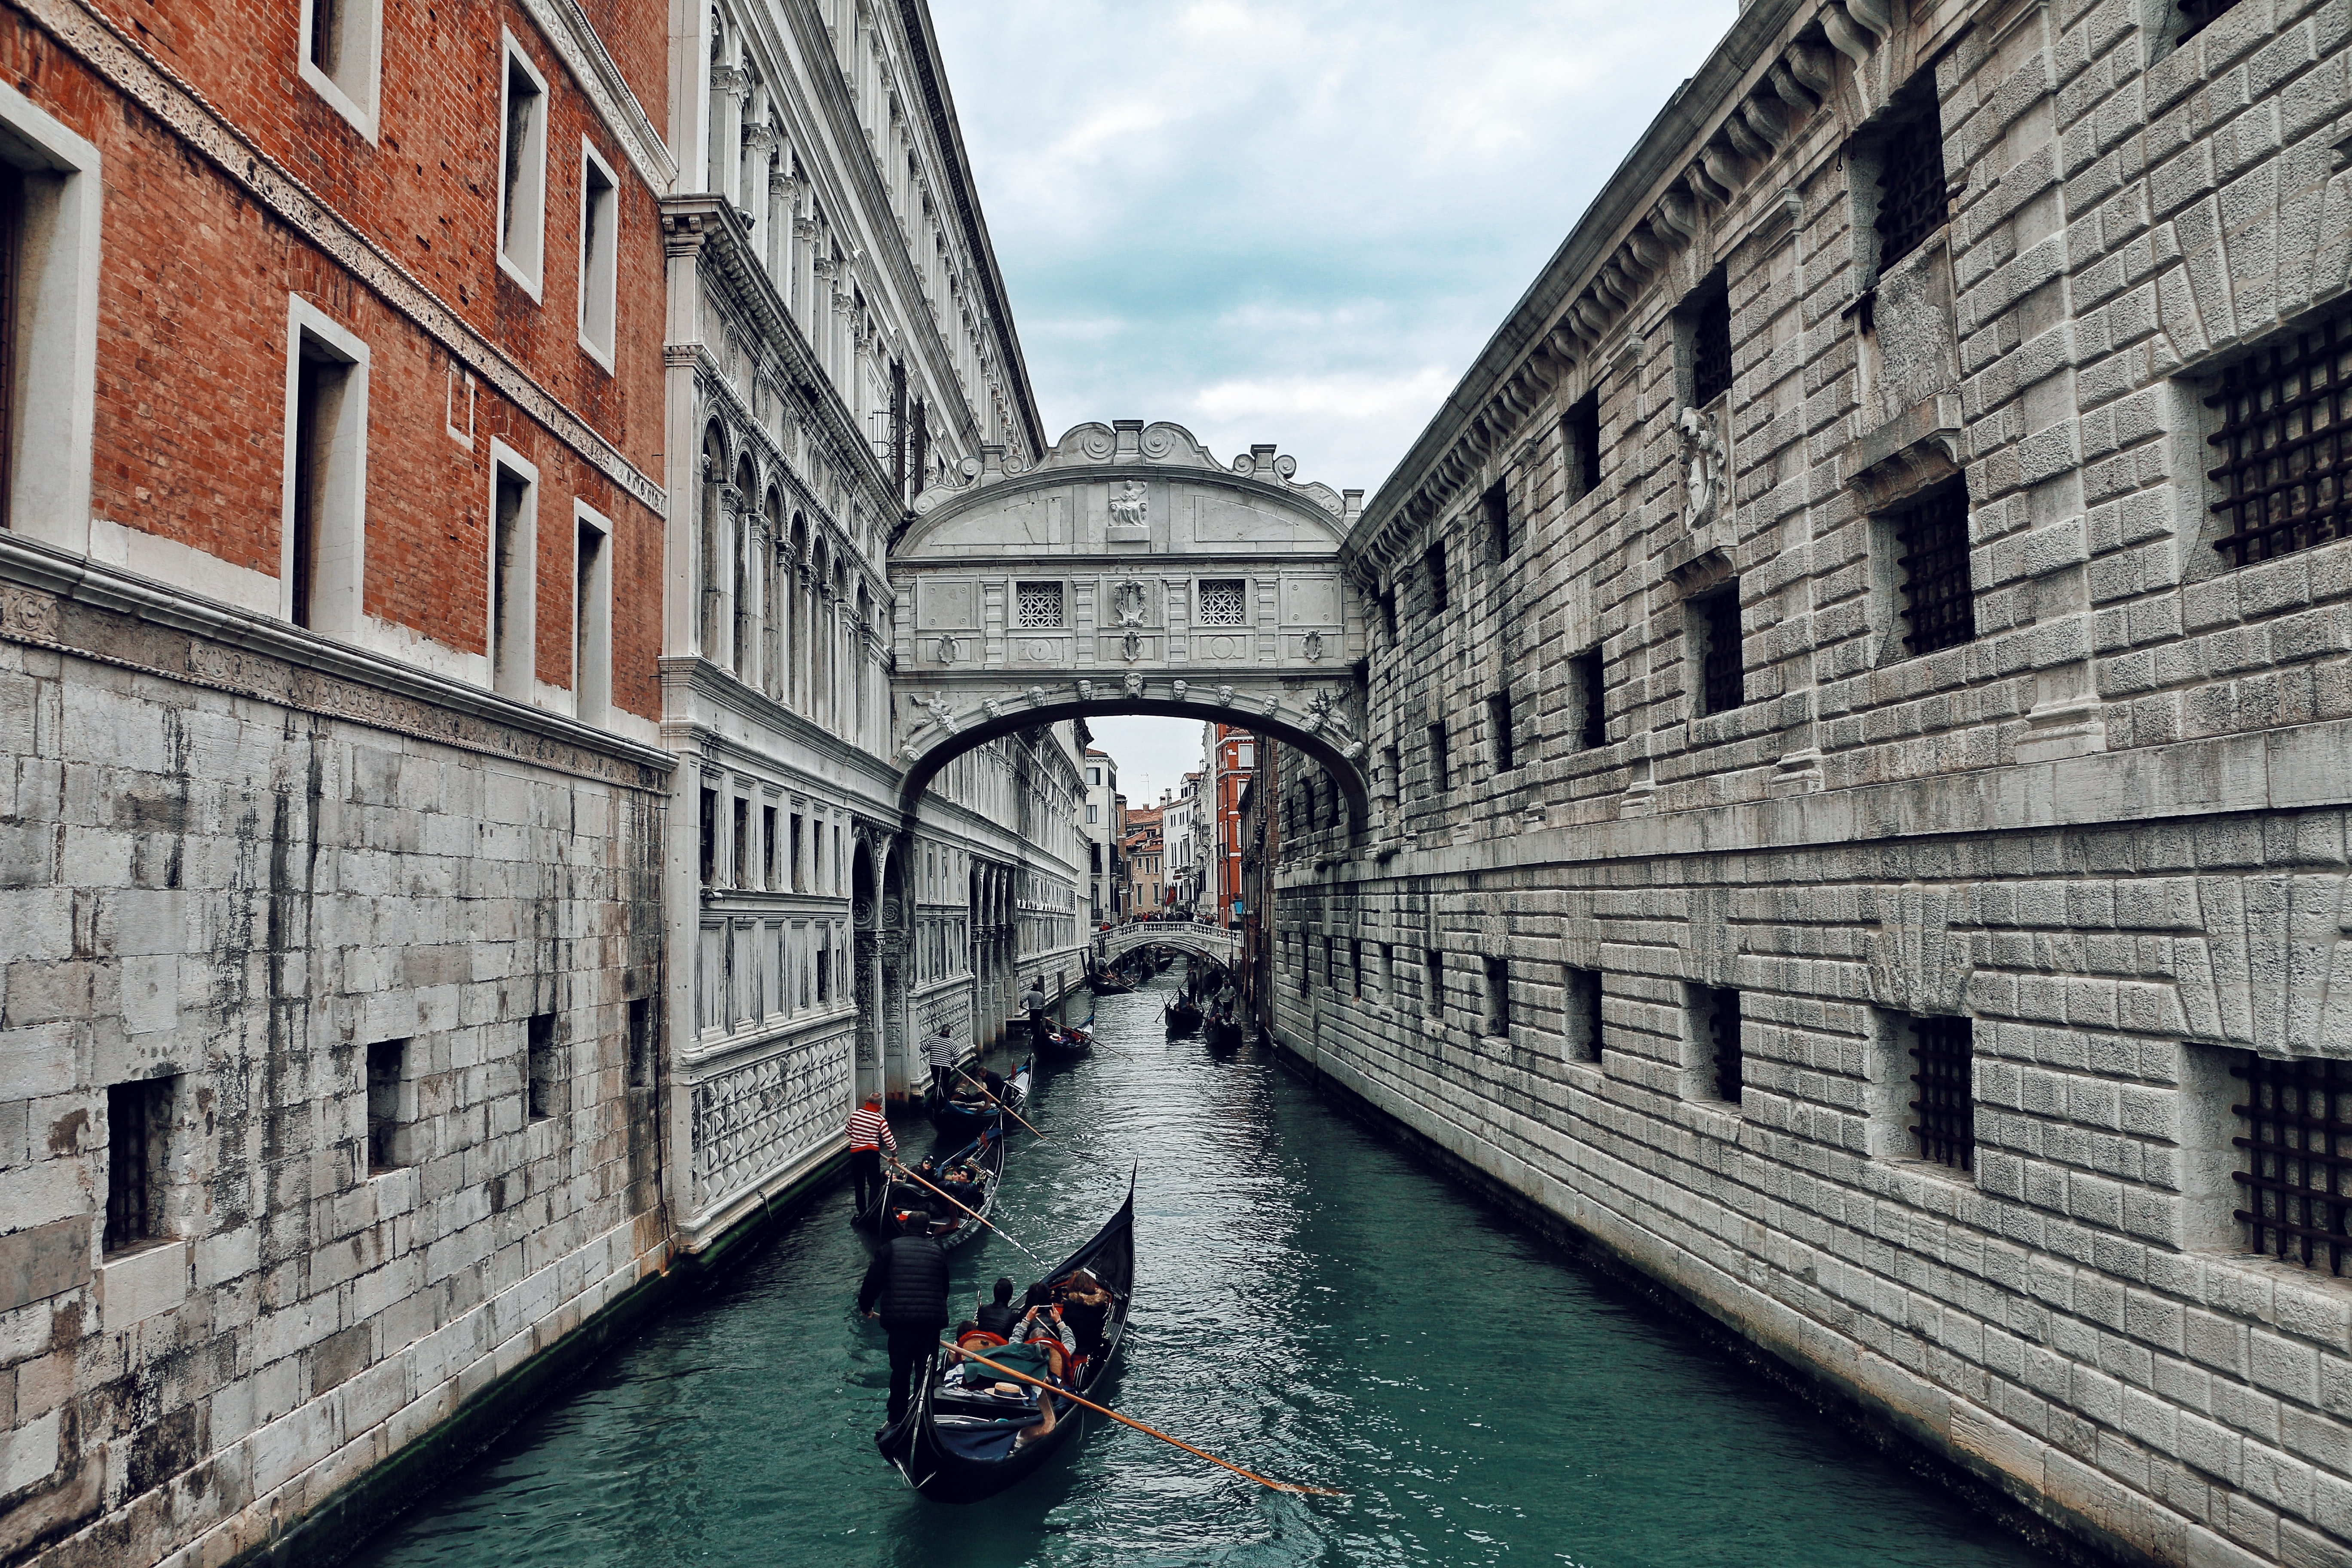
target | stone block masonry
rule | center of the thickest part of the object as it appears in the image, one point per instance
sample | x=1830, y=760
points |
x=356, y=971
x=1924, y=952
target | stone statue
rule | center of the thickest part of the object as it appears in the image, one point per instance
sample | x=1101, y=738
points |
x=942, y=711
x=1132, y=508
x=1703, y=461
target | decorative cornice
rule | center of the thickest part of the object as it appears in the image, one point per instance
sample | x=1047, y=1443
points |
x=96, y=41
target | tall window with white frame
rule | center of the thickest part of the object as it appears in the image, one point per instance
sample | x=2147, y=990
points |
x=50, y=195
x=340, y=39
x=321, y=556
x=522, y=169
x=513, y=573
x=591, y=613
x=600, y=217
x=12, y=272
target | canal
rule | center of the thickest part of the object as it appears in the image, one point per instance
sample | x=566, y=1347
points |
x=1311, y=1305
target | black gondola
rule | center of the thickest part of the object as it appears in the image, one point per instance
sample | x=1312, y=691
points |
x=1184, y=1016
x=950, y=1226
x=1068, y=1042
x=965, y=1118
x=1225, y=1029
x=1106, y=984
x=959, y=1444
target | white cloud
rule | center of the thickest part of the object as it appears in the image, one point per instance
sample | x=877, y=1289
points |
x=1291, y=220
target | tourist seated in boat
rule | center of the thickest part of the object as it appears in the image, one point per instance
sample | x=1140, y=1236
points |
x=1085, y=1312
x=1041, y=1325
x=1001, y=1316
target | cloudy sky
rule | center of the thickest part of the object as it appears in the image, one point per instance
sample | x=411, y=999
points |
x=1292, y=221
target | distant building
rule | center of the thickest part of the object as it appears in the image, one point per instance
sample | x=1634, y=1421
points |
x=1099, y=826
x=1233, y=759
x=1145, y=851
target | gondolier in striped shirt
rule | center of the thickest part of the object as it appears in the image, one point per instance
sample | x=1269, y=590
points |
x=943, y=1051
x=869, y=1134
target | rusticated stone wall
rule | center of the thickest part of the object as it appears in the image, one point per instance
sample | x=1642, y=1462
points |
x=2101, y=836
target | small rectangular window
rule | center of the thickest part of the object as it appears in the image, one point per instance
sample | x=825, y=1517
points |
x=1441, y=777
x=799, y=877
x=1714, y=624
x=386, y=1060
x=514, y=574
x=1496, y=506
x=1498, y=995
x=1245, y=756
x=1388, y=614
x=2283, y=451
x=1912, y=201
x=1586, y=691
x=1092, y=815
x=600, y=216
x=708, y=827
x=1498, y=725
x=1330, y=965
x=339, y=41
x=1716, y=1021
x=522, y=160
x=1944, y=1116
x=1222, y=601
x=824, y=965
x=1707, y=322
x=1581, y=1011
x=1037, y=606
x=1432, y=568
x=539, y=1055
x=321, y=560
x=137, y=1133
x=1931, y=544
x=1433, y=981
x=641, y=1042
x=592, y=617
x=1356, y=967
x=2195, y=16
x=1385, y=982
x=1579, y=438
x=768, y=847
x=2294, y=1149
x=742, y=856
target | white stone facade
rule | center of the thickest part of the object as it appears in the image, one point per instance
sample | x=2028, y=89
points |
x=2099, y=837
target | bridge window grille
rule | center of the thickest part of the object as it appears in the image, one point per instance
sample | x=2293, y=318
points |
x=2295, y=1148
x=1722, y=676
x=1037, y=606
x=1944, y=1117
x=2286, y=445
x=1719, y=1019
x=1939, y=602
x=1912, y=205
x=1223, y=601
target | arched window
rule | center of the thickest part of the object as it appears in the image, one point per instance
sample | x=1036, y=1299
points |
x=714, y=475
x=796, y=625
x=746, y=485
x=775, y=608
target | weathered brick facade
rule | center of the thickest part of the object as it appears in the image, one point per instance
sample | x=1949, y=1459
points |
x=1863, y=860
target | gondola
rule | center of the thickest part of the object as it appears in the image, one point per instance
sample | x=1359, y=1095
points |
x=965, y=1118
x=1225, y=1029
x=1068, y=1041
x=1110, y=984
x=951, y=1226
x=958, y=1441
x=1184, y=1016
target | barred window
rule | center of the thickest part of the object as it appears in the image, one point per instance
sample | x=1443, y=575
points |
x=1593, y=720
x=1223, y=602
x=1582, y=1014
x=1579, y=431
x=2286, y=445
x=1718, y=1020
x=1715, y=621
x=2196, y=15
x=1912, y=204
x=1711, y=346
x=1432, y=567
x=138, y=1125
x=1939, y=603
x=1496, y=506
x=1944, y=1116
x=1498, y=726
x=1037, y=606
x=2296, y=1142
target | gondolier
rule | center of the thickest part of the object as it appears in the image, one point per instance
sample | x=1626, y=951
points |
x=870, y=1133
x=1034, y=1001
x=943, y=1051
x=906, y=1286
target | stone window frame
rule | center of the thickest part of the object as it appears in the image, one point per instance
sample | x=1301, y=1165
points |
x=1581, y=450
x=54, y=350
x=155, y=1100
x=1583, y=1032
x=353, y=88
x=1201, y=591
x=521, y=582
x=522, y=257
x=1709, y=1060
x=600, y=219
x=1864, y=157
x=1024, y=589
x=388, y=1096
x=592, y=640
x=333, y=603
x=1690, y=316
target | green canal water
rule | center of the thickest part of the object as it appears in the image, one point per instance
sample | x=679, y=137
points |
x=1311, y=1305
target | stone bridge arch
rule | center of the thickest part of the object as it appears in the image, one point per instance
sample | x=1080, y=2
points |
x=1128, y=571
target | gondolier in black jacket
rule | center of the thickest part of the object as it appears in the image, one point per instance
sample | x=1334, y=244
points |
x=908, y=1279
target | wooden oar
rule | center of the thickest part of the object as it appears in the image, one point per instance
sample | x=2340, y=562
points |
x=1147, y=1431
x=998, y=1104
x=974, y=1213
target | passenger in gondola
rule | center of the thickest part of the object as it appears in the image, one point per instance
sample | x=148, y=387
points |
x=1001, y=1316
x=1041, y=1324
x=907, y=1287
x=1085, y=1310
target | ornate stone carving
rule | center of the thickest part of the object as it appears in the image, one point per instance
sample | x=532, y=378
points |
x=1128, y=603
x=1313, y=647
x=1133, y=684
x=1183, y=690
x=1086, y=691
x=947, y=649
x=1132, y=508
x=1132, y=646
x=1704, y=456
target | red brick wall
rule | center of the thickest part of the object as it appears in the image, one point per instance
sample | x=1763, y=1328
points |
x=190, y=424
